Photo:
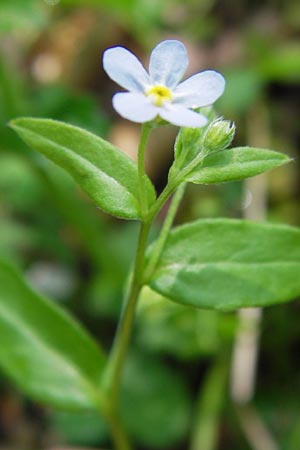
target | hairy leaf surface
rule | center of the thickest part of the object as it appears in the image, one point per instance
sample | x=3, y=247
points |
x=235, y=164
x=105, y=173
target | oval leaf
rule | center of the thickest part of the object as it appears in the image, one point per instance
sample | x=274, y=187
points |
x=48, y=355
x=105, y=173
x=235, y=164
x=228, y=264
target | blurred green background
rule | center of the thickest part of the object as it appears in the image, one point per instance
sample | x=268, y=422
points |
x=50, y=66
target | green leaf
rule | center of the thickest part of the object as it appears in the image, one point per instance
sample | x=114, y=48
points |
x=46, y=352
x=106, y=174
x=228, y=264
x=235, y=164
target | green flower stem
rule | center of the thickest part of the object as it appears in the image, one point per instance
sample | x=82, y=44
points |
x=146, y=130
x=119, y=437
x=118, y=353
x=180, y=175
x=113, y=373
x=112, y=378
x=209, y=406
x=119, y=350
x=160, y=243
x=166, y=193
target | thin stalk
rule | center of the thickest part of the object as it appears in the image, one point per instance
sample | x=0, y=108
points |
x=209, y=407
x=166, y=193
x=119, y=437
x=119, y=350
x=117, y=356
x=174, y=183
x=255, y=430
x=121, y=342
x=146, y=130
x=181, y=174
x=160, y=243
x=112, y=377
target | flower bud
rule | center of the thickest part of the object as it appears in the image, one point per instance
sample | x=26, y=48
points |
x=219, y=135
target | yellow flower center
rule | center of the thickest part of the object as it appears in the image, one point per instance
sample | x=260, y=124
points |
x=159, y=94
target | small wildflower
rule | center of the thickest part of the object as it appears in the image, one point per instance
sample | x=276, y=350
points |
x=160, y=92
x=219, y=135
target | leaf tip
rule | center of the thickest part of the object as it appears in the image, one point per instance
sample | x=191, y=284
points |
x=11, y=123
x=14, y=123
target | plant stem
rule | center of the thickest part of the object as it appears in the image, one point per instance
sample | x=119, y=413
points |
x=166, y=193
x=146, y=130
x=121, y=342
x=116, y=360
x=119, y=350
x=118, y=435
x=255, y=430
x=160, y=243
x=180, y=175
x=112, y=378
x=209, y=407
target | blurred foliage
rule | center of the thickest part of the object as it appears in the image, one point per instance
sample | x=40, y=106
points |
x=21, y=16
x=50, y=66
x=184, y=332
x=156, y=402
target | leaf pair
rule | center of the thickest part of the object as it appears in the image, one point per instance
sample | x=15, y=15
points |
x=110, y=178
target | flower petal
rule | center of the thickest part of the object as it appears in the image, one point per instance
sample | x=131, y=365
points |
x=168, y=62
x=134, y=107
x=182, y=117
x=125, y=69
x=201, y=89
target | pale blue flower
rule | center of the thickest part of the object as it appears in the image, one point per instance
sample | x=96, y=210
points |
x=160, y=92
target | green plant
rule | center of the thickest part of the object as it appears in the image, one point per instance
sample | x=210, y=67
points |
x=217, y=264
